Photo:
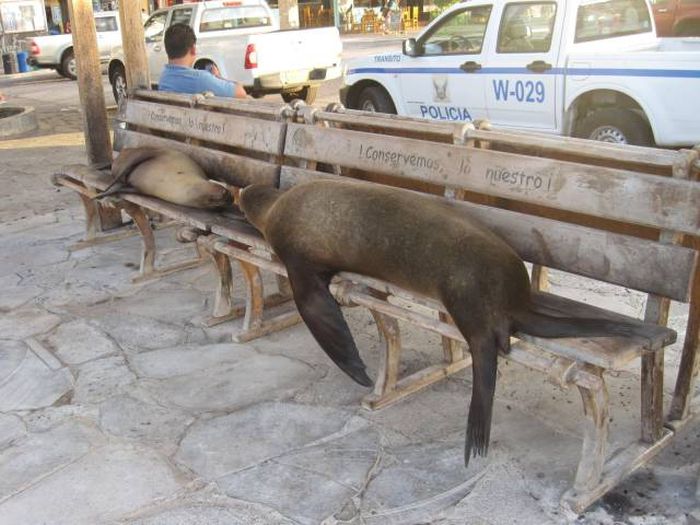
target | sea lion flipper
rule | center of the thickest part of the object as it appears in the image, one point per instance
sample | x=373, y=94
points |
x=127, y=161
x=484, y=365
x=323, y=317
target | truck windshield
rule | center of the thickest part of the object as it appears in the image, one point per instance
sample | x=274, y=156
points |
x=224, y=18
x=106, y=23
x=611, y=18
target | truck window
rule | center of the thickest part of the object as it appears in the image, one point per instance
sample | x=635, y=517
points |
x=154, y=27
x=461, y=33
x=181, y=16
x=223, y=18
x=106, y=23
x=611, y=18
x=526, y=28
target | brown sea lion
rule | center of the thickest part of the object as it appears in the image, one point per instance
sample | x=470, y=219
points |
x=169, y=175
x=424, y=244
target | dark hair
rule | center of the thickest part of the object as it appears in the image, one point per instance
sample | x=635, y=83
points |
x=179, y=38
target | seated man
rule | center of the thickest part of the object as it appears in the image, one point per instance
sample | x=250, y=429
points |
x=178, y=74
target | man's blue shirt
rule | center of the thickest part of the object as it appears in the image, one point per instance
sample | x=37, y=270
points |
x=181, y=79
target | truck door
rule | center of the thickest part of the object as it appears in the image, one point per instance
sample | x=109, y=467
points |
x=522, y=80
x=444, y=80
x=153, y=31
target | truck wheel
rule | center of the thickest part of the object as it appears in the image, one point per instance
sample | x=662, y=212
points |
x=118, y=81
x=375, y=99
x=307, y=94
x=68, y=67
x=621, y=126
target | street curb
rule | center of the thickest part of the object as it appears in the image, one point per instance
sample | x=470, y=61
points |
x=27, y=74
x=16, y=124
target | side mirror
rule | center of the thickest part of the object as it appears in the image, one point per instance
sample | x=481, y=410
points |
x=410, y=47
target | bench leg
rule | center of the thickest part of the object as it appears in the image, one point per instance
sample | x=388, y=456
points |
x=453, y=351
x=254, y=325
x=148, y=254
x=388, y=388
x=595, y=436
x=652, y=396
x=148, y=270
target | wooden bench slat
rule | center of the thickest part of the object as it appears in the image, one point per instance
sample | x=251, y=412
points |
x=614, y=153
x=232, y=130
x=640, y=264
x=658, y=202
x=233, y=169
x=259, y=108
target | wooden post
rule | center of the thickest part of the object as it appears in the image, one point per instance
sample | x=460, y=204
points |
x=289, y=14
x=133, y=42
x=92, y=101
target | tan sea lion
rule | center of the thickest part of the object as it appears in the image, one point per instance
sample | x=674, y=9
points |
x=424, y=244
x=169, y=175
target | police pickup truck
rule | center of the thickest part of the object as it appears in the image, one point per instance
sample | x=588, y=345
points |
x=584, y=68
x=242, y=39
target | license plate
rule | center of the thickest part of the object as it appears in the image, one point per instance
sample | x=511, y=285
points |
x=294, y=77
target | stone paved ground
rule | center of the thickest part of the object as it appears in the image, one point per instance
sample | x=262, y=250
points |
x=117, y=407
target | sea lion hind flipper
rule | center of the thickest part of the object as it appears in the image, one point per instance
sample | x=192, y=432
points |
x=484, y=366
x=113, y=190
x=128, y=160
x=541, y=324
x=323, y=317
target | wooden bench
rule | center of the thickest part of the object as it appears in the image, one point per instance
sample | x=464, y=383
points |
x=617, y=215
x=236, y=142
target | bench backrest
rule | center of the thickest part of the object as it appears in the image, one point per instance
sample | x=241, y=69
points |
x=235, y=141
x=519, y=183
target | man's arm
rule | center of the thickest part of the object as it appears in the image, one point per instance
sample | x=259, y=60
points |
x=238, y=91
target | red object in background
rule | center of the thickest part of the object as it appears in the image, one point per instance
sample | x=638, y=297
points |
x=676, y=17
x=251, y=57
x=34, y=48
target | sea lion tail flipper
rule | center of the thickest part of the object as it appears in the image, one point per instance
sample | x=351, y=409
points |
x=323, y=317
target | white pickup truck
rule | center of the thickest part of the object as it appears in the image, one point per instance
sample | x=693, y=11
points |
x=585, y=68
x=242, y=39
x=56, y=51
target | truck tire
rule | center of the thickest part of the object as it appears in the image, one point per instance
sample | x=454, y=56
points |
x=375, y=99
x=68, y=66
x=118, y=81
x=621, y=126
x=307, y=94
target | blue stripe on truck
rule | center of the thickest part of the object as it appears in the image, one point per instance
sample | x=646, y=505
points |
x=616, y=72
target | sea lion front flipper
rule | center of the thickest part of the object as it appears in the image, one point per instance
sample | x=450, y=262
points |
x=323, y=317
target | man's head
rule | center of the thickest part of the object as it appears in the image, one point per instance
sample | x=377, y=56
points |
x=179, y=41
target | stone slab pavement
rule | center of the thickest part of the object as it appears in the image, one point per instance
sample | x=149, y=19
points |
x=118, y=407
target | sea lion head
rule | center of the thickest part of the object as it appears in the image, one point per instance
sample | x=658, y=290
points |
x=256, y=201
x=212, y=195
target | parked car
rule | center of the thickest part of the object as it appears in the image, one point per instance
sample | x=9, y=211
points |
x=242, y=39
x=56, y=51
x=676, y=17
x=592, y=69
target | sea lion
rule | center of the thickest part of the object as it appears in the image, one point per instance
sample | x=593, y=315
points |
x=419, y=242
x=166, y=174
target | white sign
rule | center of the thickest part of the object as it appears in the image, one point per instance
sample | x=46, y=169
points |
x=23, y=16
